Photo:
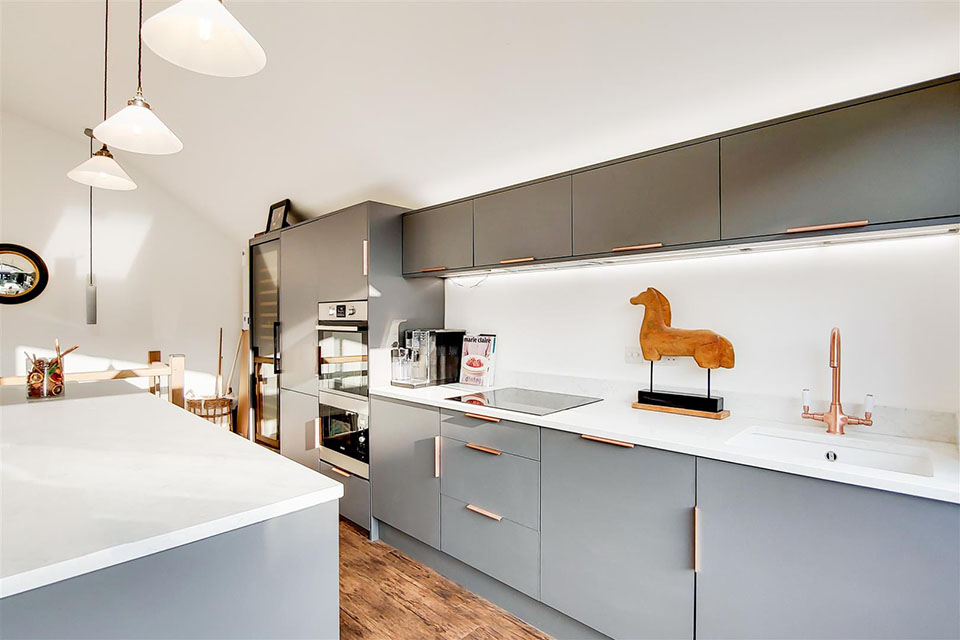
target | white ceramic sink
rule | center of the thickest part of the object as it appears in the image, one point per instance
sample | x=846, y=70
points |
x=848, y=450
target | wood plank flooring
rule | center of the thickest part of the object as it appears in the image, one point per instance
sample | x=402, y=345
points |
x=386, y=594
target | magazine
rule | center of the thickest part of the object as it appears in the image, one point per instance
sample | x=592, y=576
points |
x=477, y=362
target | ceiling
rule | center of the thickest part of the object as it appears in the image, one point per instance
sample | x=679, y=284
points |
x=418, y=103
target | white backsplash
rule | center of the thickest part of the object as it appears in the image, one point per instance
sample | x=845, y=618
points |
x=897, y=303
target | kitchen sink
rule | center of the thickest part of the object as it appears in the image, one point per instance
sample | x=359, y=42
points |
x=846, y=450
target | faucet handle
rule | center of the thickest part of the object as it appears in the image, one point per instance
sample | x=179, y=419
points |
x=868, y=404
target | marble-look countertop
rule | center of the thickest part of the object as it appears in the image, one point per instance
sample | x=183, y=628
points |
x=617, y=420
x=111, y=473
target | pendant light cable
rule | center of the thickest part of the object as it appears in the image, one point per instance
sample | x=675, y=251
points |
x=139, y=48
x=106, y=40
x=91, y=221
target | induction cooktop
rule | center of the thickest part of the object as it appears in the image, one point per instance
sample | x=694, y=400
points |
x=538, y=403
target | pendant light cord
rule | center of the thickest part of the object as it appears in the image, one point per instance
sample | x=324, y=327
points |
x=140, y=47
x=91, y=221
x=106, y=40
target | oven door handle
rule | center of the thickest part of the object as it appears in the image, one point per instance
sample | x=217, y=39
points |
x=335, y=327
x=276, y=347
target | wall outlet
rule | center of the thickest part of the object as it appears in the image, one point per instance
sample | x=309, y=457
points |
x=634, y=355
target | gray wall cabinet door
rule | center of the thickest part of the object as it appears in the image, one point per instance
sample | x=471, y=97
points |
x=785, y=556
x=404, y=441
x=892, y=159
x=616, y=536
x=298, y=414
x=526, y=222
x=441, y=237
x=671, y=197
x=340, y=267
x=299, y=259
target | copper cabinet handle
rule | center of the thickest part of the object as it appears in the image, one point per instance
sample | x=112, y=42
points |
x=479, y=417
x=480, y=447
x=626, y=445
x=484, y=512
x=825, y=227
x=366, y=258
x=635, y=247
x=436, y=456
x=513, y=260
x=696, y=539
x=432, y=269
x=340, y=471
x=316, y=433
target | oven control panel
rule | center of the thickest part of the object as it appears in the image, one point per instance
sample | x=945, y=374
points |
x=343, y=311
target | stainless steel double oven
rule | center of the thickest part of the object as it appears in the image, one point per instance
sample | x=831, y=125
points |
x=343, y=372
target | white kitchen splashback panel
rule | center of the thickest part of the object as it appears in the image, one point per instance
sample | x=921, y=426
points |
x=897, y=303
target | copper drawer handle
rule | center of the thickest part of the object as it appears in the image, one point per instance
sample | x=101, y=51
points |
x=340, y=471
x=316, y=433
x=432, y=269
x=365, y=266
x=479, y=447
x=825, y=227
x=636, y=247
x=625, y=445
x=484, y=512
x=696, y=539
x=513, y=260
x=436, y=456
x=479, y=417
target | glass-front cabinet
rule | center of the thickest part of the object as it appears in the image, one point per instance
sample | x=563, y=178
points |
x=265, y=340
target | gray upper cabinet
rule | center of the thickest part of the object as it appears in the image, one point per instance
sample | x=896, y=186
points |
x=339, y=257
x=523, y=223
x=299, y=260
x=404, y=467
x=616, y=536
x=438, y=239
x=670, y=197
x=892, y=159
x=785, y=556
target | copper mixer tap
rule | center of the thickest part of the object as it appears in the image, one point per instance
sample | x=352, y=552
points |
x=835, y=418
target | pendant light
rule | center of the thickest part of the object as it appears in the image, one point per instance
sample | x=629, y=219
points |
x=101, y=170
x=202, y=36
x=136, y=127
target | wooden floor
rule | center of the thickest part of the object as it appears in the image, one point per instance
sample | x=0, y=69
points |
x=385, y=594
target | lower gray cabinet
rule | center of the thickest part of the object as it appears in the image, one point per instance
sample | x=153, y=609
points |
x=355, y=503
x=784, y=556
x=298, y=428
x=616, y=527
x=405, y=469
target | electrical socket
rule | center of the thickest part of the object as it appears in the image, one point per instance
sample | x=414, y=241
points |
x=634, y=355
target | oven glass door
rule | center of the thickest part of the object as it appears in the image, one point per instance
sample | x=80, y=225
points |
x=344, y=431
x=342, y=355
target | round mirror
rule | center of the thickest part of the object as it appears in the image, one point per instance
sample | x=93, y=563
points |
x=23, y=275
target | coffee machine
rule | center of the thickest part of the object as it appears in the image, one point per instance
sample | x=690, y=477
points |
x=428, y=357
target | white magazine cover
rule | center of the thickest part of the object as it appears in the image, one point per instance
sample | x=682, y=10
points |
x=478, y=359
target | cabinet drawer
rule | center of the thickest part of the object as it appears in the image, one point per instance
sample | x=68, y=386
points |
x=505, y=484
x=355, y=503
x=503, y=435
x=503, y=549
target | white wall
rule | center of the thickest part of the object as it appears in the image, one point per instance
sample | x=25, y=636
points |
x=167, y=277
x=897, y=303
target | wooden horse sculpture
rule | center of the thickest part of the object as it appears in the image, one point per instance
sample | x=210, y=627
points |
x=658, y=338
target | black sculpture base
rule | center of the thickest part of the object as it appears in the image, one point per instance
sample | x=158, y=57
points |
x=688, y=401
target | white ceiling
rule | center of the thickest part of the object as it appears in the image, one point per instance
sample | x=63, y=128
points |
x=418, y=103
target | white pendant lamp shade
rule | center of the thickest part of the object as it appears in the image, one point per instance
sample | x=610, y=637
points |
x=136, y=128
x=202, y=36
x=103, y=172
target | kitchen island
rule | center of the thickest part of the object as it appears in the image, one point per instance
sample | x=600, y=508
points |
x=126, y=516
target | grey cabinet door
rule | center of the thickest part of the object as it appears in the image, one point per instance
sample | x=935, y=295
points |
x=785, y=556
x=404, y=465
x=526, y=222
x=355, y=503
x=616, y=536
x=892, y=159
x=671, y=198
x=340, y=256
x=300, y=260
x=298, y=429
x=437, y=239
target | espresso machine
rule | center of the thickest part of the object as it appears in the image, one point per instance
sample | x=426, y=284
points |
x=428, y=357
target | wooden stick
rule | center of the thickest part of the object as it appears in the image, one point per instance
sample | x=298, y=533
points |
x=236, y=357
x=218, y=391
x=56, y=345
x=71, y=349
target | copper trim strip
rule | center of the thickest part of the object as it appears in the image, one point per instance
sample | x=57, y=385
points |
x=316, y=433
x=366, y=258
x=825, y=227
x=484, y=512
x=696, y=539
x=480, y=447
x=513, y=260
x=343, y=359
x=635, y=247
x=433, y=269
x=625, y=445
x=436, y=456
x=340, y=471
x=480, y=417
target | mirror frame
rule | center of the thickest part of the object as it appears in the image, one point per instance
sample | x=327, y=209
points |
x=43, y=276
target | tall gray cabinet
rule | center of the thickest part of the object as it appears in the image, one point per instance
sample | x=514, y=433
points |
x=784, y=556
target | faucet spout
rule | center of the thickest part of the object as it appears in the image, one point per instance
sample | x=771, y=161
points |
x=835, y=418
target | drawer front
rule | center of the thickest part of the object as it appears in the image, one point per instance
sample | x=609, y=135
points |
x=504, y=435
x=503, y=549
x=505, y=484
x=355, y=503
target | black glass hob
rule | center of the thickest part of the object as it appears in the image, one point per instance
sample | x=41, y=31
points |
x=538, y=403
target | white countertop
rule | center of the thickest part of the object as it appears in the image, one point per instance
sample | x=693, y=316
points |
x=709, y=439
x=111, y=473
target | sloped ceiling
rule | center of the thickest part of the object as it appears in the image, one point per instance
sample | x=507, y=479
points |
x=418, y=103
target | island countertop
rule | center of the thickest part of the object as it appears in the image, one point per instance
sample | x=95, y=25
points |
x=111, y=473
